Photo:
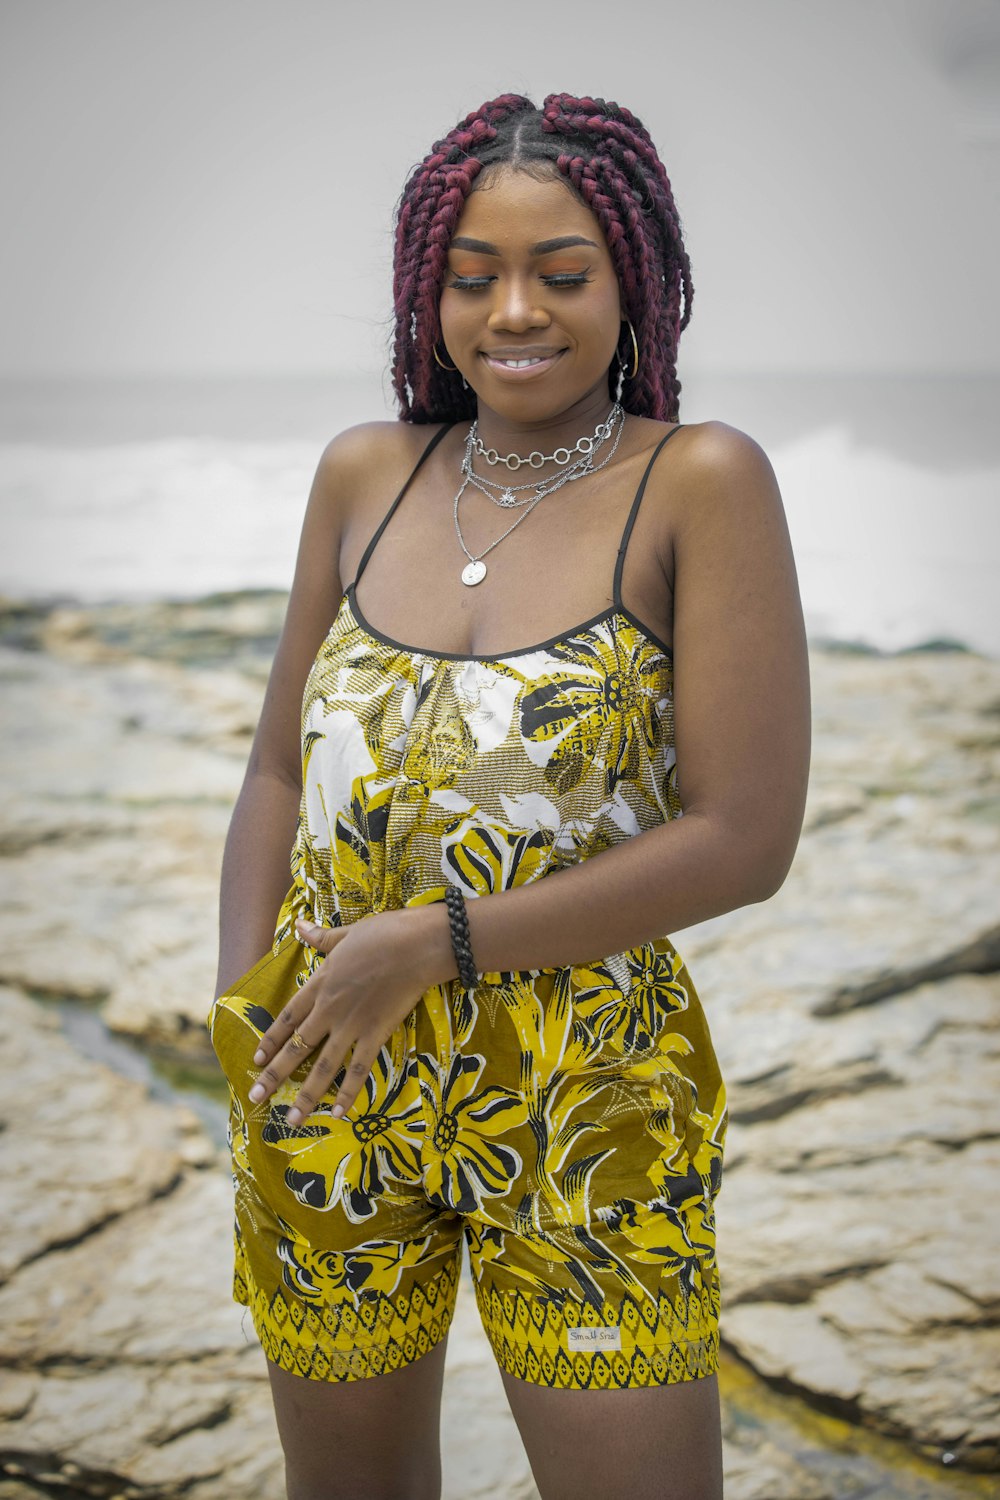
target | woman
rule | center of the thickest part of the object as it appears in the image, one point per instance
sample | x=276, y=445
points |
x=440, y=1042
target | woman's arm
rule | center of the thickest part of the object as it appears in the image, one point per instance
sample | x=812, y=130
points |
x=742, y=741
x=255, y=866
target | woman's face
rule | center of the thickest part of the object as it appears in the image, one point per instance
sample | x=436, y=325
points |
x=530, y=306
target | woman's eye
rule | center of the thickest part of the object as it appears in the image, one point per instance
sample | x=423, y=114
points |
x=557, y=279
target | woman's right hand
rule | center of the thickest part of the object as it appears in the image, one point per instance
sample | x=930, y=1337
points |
x=372, y=977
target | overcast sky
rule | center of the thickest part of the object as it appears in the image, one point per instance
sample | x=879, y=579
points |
x=206, y=186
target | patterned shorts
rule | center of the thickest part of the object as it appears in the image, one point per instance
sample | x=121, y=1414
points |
x=568, y=1123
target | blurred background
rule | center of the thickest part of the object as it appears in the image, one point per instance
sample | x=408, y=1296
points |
x=196, y=270
x=194, y=298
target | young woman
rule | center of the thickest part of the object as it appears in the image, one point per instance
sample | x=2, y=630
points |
x=577, y=621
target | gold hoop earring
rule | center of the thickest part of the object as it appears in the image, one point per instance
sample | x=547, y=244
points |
x=631, y=374
x=452, y=369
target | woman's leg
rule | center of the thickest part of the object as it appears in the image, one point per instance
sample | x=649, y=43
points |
x=371, y=1439
x=660, y=1442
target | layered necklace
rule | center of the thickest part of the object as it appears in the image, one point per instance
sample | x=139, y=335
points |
x=510, y=496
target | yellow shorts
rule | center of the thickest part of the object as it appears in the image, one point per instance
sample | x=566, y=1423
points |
x=568, y=1123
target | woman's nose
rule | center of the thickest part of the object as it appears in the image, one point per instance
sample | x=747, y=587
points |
x=514, y=309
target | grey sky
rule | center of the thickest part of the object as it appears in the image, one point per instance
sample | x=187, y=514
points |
x=207, y=185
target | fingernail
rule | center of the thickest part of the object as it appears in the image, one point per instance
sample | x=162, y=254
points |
x=337, y=1111
x=294, y=1117
x=260, y=1057
x=257, y=1093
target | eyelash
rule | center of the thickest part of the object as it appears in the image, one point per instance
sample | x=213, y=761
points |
x=477, y=283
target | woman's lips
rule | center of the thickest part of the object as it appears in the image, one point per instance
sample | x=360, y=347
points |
x=520, y=367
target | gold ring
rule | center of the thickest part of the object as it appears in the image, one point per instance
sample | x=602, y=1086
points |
x=297, y=1042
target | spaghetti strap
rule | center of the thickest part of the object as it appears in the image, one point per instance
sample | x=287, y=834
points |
x=389, y=513
x=620, y=562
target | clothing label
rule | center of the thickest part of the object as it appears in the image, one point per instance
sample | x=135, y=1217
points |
x=589, y=1340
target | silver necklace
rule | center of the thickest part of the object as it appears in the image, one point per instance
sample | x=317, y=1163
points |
x=536, y=460
x=506, y=496
x=475, y=569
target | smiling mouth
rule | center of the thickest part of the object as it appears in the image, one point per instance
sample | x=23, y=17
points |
x=520, y=362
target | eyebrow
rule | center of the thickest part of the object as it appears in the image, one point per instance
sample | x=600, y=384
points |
x=544, y=247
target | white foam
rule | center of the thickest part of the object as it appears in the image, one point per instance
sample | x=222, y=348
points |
x=888, y=553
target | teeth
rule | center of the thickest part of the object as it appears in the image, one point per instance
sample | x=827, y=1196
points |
x=519, y=364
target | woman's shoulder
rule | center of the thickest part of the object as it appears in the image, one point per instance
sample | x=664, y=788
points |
x=710, y=466
x=373, y=450
x=711, y=445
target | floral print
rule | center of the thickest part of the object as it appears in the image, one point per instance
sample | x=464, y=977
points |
x=463, y=1161
x=570, y=1122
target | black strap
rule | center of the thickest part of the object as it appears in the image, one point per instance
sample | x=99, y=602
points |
x=389, y=513
x=620, y=563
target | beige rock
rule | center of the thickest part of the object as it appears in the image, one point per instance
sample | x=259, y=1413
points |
x=918, y=1387
x=82, y=1145
x=152, y=1287
x=125, y=1421
x=779, y=1339
x=763, y=1471
x=17, y=1392
x=857, y=1230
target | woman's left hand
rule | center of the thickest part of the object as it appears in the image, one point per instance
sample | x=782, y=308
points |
x=374, y=973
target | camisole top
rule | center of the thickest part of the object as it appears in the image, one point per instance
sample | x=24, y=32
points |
x=423, y=768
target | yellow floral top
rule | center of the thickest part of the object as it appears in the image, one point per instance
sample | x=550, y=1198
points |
x=421, y=770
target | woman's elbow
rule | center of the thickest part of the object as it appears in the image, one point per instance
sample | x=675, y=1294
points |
x=755, y=858
x=771, y=861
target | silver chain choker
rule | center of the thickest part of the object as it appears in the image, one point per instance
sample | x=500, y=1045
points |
x=536, y=460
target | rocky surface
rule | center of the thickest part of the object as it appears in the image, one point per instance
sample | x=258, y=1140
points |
x=856, y=1016
x=860, y=1036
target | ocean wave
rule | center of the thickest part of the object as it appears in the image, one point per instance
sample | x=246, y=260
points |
x=889, y=554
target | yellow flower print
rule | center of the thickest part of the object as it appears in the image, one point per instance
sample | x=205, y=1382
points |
x=559, y=1087
x=654, y=990
x=543, y=1014
x=604, y=708
x=436, y=754
x=348, y=1161
x=462, y=1163
x=626, y=1000
x=481, y=855
x=316, y=1275
x=670, y=1234
x=359, y=861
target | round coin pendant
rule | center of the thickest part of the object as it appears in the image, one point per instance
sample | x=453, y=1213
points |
x=474, y=572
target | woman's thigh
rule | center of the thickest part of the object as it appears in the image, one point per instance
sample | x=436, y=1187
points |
x=659, y=1442
x=378, y=1438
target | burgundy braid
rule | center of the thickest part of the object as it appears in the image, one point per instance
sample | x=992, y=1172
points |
x=429, y=210
x=608, y=159
x=626, y=187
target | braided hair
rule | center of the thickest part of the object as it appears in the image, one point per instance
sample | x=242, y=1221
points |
x=606, y=156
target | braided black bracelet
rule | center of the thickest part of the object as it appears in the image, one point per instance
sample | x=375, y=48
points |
x=461, y=942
